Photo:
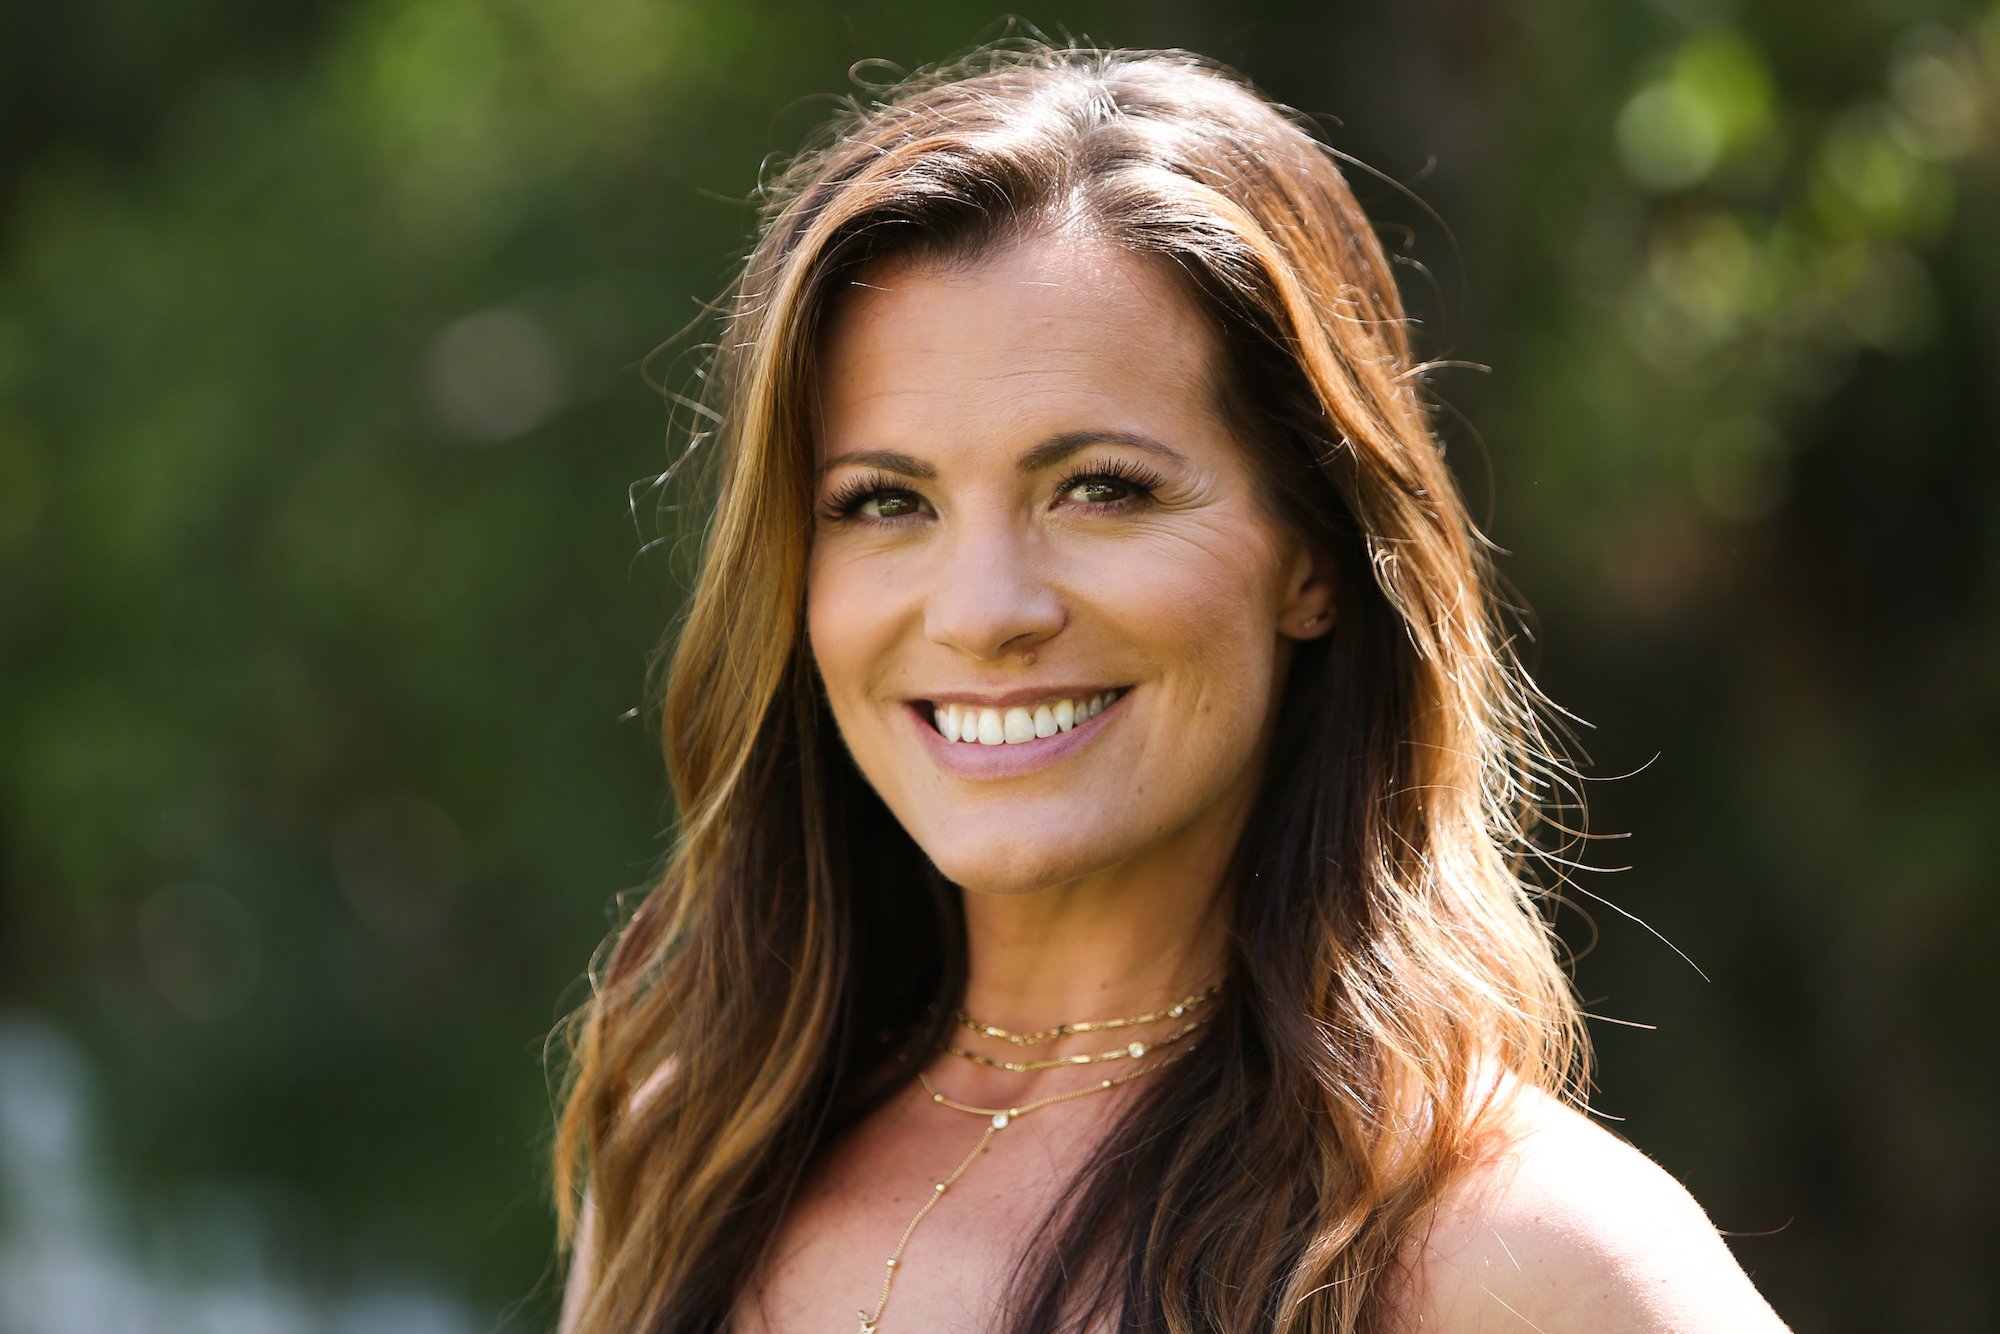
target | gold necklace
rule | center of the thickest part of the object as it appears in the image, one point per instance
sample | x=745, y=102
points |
x=997, y=1120
x=1131, y=1051
x=1038, y=1037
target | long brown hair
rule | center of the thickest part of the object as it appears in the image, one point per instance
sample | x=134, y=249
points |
x=1390, y=969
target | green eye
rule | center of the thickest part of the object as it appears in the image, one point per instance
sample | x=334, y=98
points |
x=889, y=505
x=1098, y=491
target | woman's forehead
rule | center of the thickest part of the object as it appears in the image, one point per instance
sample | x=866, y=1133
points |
x=1053, y=327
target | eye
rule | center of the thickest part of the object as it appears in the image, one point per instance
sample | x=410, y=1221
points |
x=1113, y=484
x=1099, y=490
x=886, y=505
x=872, y=498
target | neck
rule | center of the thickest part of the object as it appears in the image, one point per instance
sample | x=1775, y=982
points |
x=1110, y=946
x=1123, y=940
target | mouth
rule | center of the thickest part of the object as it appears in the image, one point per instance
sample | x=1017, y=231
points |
x=1016, y=724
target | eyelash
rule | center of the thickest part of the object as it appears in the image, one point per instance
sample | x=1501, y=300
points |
x=845, y=503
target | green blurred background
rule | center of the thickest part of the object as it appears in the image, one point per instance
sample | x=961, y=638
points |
x=324, y=605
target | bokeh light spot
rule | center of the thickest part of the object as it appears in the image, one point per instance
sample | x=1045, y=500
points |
x=495, y=375
x=200, y=950
x=1667, y=138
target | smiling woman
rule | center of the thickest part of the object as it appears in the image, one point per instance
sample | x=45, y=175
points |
x=1101, y=901
x=1061, y=522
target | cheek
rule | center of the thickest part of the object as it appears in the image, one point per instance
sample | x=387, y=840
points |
x=836, y=626
x=853, y=616
x=1205, y=601
x=1201, y=591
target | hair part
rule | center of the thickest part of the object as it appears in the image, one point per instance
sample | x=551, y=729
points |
x=1392, y=974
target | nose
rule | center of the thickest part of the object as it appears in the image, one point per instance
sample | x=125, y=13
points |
x=990, y=596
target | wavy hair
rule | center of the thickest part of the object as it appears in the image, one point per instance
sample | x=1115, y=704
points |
x=1391, y=967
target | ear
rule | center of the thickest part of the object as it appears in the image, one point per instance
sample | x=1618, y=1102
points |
x=1309, y=596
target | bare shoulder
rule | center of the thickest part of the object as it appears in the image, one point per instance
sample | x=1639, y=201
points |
x=1564, y=1227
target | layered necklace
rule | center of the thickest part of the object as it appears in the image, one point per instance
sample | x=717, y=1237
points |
x=999, y=1118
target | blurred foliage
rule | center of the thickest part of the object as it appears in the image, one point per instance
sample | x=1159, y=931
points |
x=324, y=606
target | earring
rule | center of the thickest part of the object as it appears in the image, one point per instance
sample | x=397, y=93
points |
x=1313, y=622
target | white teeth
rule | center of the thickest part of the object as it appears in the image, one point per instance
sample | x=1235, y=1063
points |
x=1020, y=726
x=1011, y=727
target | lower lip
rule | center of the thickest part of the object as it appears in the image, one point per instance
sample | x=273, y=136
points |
x=970, y=759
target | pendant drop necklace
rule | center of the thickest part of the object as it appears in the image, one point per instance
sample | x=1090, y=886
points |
x=999, y=1118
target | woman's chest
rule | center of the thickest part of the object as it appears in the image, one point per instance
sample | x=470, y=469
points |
x=826, y=1268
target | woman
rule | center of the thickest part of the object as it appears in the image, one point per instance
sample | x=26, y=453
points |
x=1104, y=784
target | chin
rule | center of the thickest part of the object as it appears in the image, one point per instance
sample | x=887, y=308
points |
x=1003, y=866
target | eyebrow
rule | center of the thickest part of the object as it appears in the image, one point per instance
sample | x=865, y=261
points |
x=1045, y=455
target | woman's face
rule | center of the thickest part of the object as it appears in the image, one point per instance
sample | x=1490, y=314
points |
x=1037, y=533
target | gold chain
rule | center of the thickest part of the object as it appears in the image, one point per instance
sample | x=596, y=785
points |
x=1045, y=1035
x=1131, y=1051
x=997, y=1120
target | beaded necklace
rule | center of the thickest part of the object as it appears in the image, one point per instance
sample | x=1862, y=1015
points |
x=1041, y=1036
x=1131, y=1051
x=999, y=1118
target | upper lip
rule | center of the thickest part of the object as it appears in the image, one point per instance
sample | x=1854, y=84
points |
x=1002, y=699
